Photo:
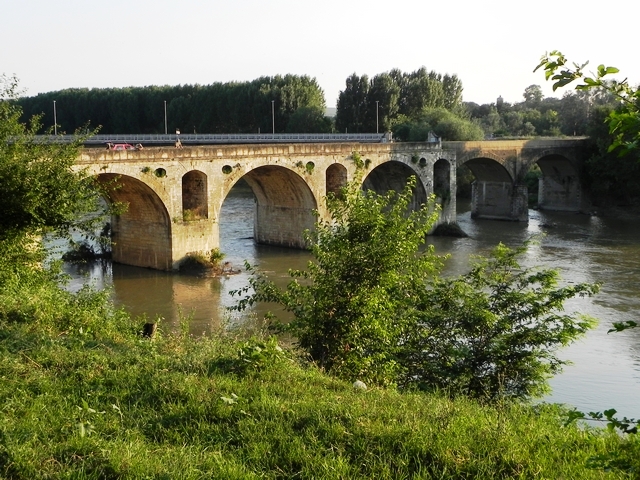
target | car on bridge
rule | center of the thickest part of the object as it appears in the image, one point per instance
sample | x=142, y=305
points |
x=120, y=146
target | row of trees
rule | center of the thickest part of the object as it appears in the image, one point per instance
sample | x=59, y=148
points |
x=392, y=97
x=571, y=115
x=238, y=107
x=409, y=104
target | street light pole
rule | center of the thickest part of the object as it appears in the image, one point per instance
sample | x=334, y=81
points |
x=376, y=116
x=55, y=119
x=165, y=117
x=273, y=117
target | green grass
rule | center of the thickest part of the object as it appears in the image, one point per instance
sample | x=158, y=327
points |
x=83, y=395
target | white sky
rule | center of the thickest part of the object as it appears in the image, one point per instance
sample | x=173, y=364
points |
x=492, y=45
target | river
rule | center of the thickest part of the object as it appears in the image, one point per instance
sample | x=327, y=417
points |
x=606, y=367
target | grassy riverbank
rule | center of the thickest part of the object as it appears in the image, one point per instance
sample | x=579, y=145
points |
x=83, y=395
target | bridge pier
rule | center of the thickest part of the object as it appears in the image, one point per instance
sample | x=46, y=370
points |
x=499, y=201
x=562, y=194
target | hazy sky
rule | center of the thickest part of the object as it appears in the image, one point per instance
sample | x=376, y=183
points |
x=491, y=45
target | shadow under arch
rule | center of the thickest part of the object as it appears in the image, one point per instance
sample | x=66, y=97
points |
x=494, y=192
x=486, y=169
x=393, y=175
x=141, y=235
x=336, y=178
x=285, y=206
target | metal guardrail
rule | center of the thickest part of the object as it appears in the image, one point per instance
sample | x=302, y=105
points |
x=231, y=138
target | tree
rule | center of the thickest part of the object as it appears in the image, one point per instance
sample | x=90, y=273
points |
x=351, y=112
x=39, y=190
x=533, y=95
x=371, y=306
x=493, y=332
x=308, y=120
x=350, y=306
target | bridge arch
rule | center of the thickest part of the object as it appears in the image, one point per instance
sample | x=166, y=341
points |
x=141, y=235
x=442, y=179
x=559, y=186
x=488, y=168
x=285, y=206
x=495, y=193
x=336, y=177
x=393, y=175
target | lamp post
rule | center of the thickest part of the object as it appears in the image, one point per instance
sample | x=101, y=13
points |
x=165, y=117
x=55, y=119
x=377, y=116
x=273, y=117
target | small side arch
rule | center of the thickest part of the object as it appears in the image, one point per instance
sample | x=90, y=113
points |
x=442, y=179
x=195, y=202
x=336, y=178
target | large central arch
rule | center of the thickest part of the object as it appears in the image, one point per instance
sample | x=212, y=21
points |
x=285, y=206
x=141, y=235
x=494, y=193
x=559, y=186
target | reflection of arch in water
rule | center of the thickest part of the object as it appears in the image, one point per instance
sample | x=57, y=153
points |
x=285, y=206
x=393, y=175
x=141, y=235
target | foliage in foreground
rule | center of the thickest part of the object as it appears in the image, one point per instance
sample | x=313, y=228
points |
x=624, y=122
x=84, y=396
x=372, y=306
x=41, y=193
x=350, y=306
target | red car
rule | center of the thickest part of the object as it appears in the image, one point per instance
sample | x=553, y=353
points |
x=120, y=146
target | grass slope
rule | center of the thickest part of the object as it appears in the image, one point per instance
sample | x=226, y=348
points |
x=83, y=396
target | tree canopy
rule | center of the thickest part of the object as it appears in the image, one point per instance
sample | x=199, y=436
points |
x=233, y=107
x=394, y=97
x=40, y=192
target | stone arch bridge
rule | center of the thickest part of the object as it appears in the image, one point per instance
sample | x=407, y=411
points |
x=500, y=166
x=174, y=196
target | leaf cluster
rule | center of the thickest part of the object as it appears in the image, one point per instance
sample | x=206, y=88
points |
x=493, y=331
x=624, y=122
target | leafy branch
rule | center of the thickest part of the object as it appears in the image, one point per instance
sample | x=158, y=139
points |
x=624, y=123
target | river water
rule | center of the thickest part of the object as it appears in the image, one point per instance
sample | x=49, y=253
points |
x=606, y=367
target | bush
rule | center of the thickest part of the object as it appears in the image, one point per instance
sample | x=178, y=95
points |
x=372, y=307
x=493, y=332
x=350, y=306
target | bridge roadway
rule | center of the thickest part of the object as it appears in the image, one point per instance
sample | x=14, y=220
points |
x=175, y=194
